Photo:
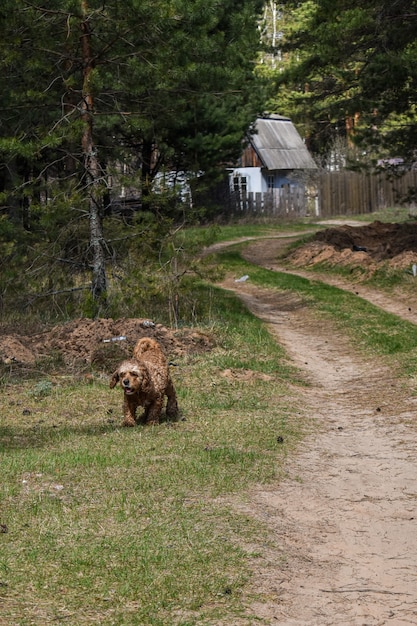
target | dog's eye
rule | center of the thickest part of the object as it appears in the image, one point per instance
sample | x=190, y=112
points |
x=134, y=374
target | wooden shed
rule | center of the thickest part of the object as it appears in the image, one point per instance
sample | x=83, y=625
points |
x=275, y=152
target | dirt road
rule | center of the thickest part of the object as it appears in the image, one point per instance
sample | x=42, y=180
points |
x=344, y=521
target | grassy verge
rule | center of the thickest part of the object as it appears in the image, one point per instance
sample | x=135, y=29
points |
x=385, y=278
x=390, y=214
x=270, y=227
x=128, y=527
x=374, y=331
x=107, y=525
x=238, y=230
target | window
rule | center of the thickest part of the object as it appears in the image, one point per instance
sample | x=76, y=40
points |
x=240, y=184
x=271, y=181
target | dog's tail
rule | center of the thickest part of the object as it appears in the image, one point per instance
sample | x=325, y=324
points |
x=144, y=345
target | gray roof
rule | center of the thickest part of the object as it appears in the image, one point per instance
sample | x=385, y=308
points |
x=279, y=146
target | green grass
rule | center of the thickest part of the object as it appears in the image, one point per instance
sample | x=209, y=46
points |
x=238, y=230
x=131, y=526
x=384, y=278
x=390, y=214
x=271, y=227
x=136, y=527
x=373, y=330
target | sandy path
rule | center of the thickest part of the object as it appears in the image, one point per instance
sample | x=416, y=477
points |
x=344, y=522
x=266, y=252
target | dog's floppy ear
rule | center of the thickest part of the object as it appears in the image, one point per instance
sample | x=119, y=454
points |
x=114, y=379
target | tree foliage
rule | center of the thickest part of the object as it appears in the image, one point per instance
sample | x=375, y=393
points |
x=353, y=72
x=93, y=91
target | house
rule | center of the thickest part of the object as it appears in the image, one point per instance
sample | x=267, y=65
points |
x=274, y=155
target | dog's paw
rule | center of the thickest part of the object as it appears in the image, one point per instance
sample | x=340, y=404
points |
x=128, y=422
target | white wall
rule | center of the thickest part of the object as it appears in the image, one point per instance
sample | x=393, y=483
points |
x=258, y=181
x=255, y=181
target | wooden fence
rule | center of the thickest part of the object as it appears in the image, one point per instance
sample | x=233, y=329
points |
x=287, y=202
x=354, y=193
x=334, y=193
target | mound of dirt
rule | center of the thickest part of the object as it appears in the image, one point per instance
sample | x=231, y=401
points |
x=100, y=343
x=367, y=246
x=83, y=343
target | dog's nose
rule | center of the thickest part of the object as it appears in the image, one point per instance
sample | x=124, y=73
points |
x=126, y=382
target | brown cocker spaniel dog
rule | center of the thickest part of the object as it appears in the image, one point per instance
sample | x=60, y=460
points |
x=145, y=380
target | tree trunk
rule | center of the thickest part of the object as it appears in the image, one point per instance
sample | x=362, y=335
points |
x=92, y=166
x=146, y=172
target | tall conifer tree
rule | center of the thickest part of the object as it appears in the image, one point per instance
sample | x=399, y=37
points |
x=86, y=83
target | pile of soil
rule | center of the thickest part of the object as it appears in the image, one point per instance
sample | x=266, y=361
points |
x=369, y=246
x=83, y=343
x=99, y=343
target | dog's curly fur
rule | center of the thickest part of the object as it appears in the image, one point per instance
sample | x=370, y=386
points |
x=145, y=380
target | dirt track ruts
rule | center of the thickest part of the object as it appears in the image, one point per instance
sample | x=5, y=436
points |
x=344, y=521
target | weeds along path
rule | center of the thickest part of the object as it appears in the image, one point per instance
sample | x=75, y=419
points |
x=343, y=522
x=267, y=251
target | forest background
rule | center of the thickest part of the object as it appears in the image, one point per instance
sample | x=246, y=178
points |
x=101, y=101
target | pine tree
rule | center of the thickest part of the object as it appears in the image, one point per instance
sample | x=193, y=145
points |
x=353, y=73
x=87, y=84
